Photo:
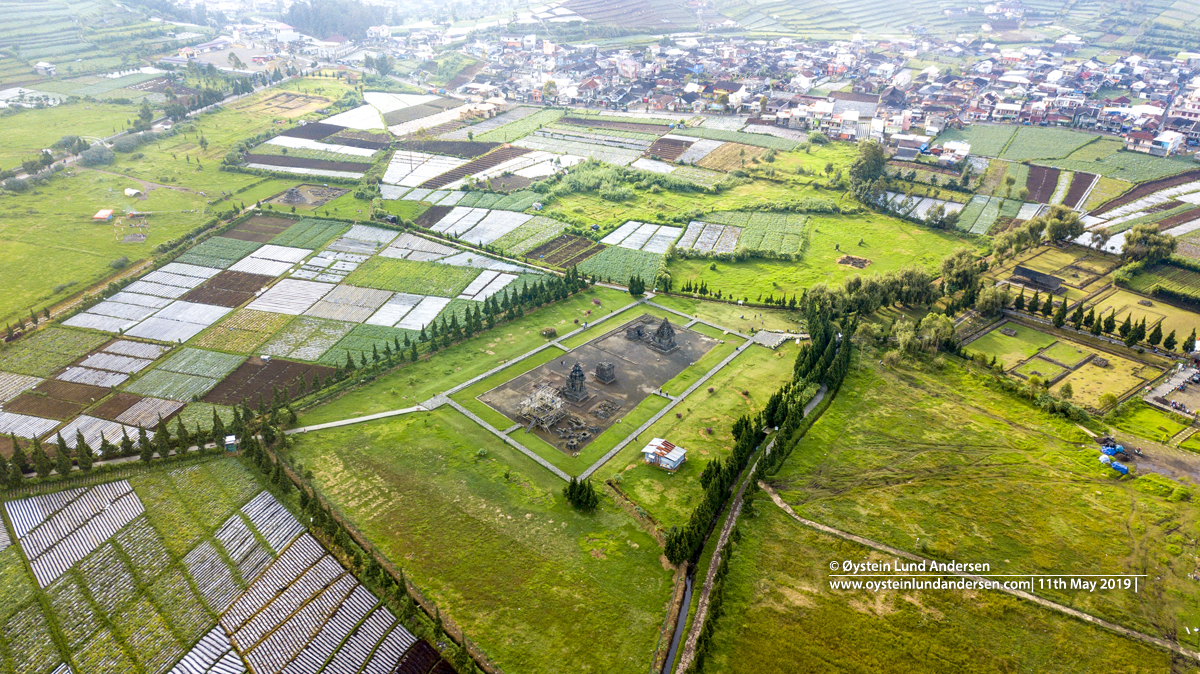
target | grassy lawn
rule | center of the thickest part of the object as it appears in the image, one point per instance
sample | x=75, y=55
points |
x=743, y=387
x=1125, y=303
x=742, y=319
x=27, y=133
x=486, y=538
x=1091, y=381
x=1011, y=350
x=888, y=243
x=1148, y=422
x=940, y=464
x=779, y=611
x=48, y=238
x=419, y=381
x=1041, y=368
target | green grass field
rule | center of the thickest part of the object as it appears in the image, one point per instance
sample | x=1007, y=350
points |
x=942, y=465
x=27, y=133
x=742, y=319
x=492, y=541
x=1009, y=351
x=888, y=243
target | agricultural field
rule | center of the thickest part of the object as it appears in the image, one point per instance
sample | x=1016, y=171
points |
x=759, y=139
x=767, y=233
x=517, y=128
x=890, y=427
x=25, y=134
x=621, y=264
x=1108, y=158
x=242, y=332
x=988, y=140
x=515, y=539
x=731, y=156
x=1039, y=143
x=407, y=276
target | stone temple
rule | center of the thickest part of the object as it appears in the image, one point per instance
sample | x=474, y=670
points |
x=575, y=391
x=661, y=340
x=606, y=373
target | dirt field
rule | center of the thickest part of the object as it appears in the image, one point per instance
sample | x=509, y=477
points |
x=115, y=406
x=367, y=140
x=41, y=406
x=288, y=105
x=260, y=229
x=1041, y=183
x=228, y=289
x=640, y=371
x=432, y=216
x=476, y=165
x=313, y=131
x=1079, y=186
x=454, y=148
x=565, y=251
x=668, y=149
x=65, y=390
x=255, y=377
x=1146, y=189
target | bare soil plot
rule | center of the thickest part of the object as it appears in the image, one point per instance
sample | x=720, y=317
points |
x=640, y=371
x=313, y=131
x=229, y=289
x=259, y=229
x=305, y=163
x=116, y=406
x=43, y=406
x=70, y=391
x=510, y=183
x=1041, y=183
x=474, y=166
x=366, y=140
x=1079, y=187
x=599, y=123
x=432, y=216
x=454, y=148
x=668, y=149
x=255, y=377
x=565, y=251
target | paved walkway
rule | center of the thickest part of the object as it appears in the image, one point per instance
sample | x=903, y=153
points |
x=357, y=420
x=515, y=445
x=661, y=413
x=1020, y=594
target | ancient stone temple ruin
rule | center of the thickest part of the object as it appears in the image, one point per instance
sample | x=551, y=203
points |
x=575, y=391
x=606, y=373
x=661, y=340
x=293, y=196
x=542, y=408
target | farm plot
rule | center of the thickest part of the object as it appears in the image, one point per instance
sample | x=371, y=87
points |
x=621, y=139
x=408, y=276
x=329, y=266
x=56, y=531
x=475, y=166
x=988, y=140
x=1149, y=194
x=756, y=139
x=705, y=237
x=425, y=123
x=411, y=169
x=669, y=148
x=412, y=247
x=370, y=140
x=395, y=309
x=212, y=654
x=366, y=341
x=641, y=236
x=313, y=130
x=766, y=233
x=13, y=385
x=618, y=124
x=228, y=289
x=178, y=322
x=363, y=118
x=1042, y=183
x=511, y=125
x=580, y=148
x=698, y=150
x=243, y=331
x=310, y=233
x=533, y=233
x=271, y=260
x=698, y=176
x=485, y=285
x=163, y=384
x=1034, y=142
x=259, y=229
x=349, y=304
x=463, y=149
x=424, y=313
x=306, y=338
x=530, y=165
x=565, y=251
x=112, y=364
x=148, y=412
x=254, y=378
x=325, y=150
x=291, y=296
x=48, y=350
x=29, y=404
x=363, y=240
x=291, y=163
x=218, y=252
x=304, y=171
x=477, y=261
x=731, y=156
x=618, y=265
x=653, y=166
x=492, y=226
x=25, y=426
x=1081, y=184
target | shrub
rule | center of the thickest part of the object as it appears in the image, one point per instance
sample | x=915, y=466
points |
x=119, y=263
x=97, y=155
x=549, y=333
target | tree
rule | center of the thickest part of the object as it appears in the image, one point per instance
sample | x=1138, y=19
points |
x=991, y=301
x=147, y=449
x=1169, y=342
x=637, y=287
x=550, y=91
x=1126, y=328
x=936, y=330
x=1019, y=304
x=1155, y=335
x=384, y=65
x=1189, y=343
x=867, y=168
x=1097, y=325
x=62, y=456
x=1060, y=315
x=723, y=100
x=41, y=463
x=1110, y=322
x=960, y=270
x=1066, y=391
x=1077, y=317
x=1144, y=242
x=83, y=452
x=1063, y=224
x=1048, y=307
